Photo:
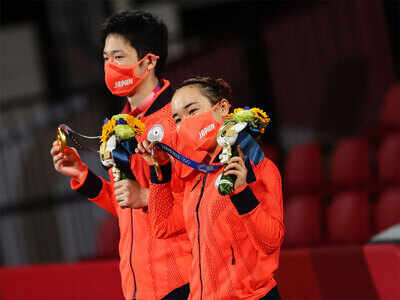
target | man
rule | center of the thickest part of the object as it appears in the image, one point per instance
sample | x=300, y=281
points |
x=135, y=50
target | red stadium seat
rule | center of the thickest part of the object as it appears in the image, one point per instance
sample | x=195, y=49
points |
x=348, y=218
x=390, y=114
x=389, y=160
x=387, y=209
x=350, y=164
x=108, y=238
x=303, y=219
x=303, y=169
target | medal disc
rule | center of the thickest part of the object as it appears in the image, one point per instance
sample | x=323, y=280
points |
x=61, y=139
x=155, y=134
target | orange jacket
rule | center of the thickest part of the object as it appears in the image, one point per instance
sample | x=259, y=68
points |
x=151, y=267
x=235, y=239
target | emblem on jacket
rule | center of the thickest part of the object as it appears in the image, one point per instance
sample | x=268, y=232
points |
x=156, y=134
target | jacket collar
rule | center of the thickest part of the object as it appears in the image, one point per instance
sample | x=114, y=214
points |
x=160, y=99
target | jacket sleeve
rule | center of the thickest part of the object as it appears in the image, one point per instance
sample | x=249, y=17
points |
x=165, y=205
x=259, y=205
x=96, y=189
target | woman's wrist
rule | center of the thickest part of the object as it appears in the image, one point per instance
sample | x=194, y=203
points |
x=239, y=189
x=162, y=174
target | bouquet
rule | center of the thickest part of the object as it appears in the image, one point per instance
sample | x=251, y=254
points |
x=118, y=143
x=255, y=120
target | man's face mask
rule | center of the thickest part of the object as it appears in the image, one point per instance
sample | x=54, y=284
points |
x=122, y=80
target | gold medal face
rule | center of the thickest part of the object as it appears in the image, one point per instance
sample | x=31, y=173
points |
x=226, y=130
x=61, y=139
x=104, y=153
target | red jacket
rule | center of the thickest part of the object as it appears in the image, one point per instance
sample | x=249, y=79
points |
x=235, y=239
x=151, y=267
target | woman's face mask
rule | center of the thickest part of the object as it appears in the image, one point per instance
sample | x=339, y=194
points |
x=198, y=132
x=197, y=121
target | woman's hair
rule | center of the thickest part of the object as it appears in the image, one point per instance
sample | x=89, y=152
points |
x=214, y=89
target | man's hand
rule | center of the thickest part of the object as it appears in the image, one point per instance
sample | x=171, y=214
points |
x=68, y=162
x=131, y=194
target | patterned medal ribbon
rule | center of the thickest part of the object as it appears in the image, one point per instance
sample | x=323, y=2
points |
x=202, y=167
x=64, y=131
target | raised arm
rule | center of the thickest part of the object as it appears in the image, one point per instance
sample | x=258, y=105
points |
x=69, y=163
x=96, y=189
x=258, y=201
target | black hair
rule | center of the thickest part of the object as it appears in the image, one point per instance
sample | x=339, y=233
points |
x=145, y=32
x=214, y=89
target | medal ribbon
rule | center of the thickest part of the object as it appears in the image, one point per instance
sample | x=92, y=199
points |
x=202, y=167
x=72, y=133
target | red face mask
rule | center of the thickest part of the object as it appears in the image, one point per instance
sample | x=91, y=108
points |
x=197, y=133
x=122, y=80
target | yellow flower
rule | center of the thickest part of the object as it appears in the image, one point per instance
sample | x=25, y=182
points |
x=261, y=115
x=255, y=117
x=132, y=123
x=236, y=110
x=135, y=124
x=107, y=130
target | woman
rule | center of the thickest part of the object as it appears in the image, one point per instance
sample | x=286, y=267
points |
x=235, y=238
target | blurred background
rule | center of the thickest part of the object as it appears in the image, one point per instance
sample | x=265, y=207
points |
x=325, y=71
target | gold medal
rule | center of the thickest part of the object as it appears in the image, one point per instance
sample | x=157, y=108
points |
x=61, y=139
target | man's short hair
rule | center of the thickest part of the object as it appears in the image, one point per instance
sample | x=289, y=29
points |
x=145, y=32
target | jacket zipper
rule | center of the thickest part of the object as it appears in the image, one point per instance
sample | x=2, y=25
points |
x=198, y=232
x=130, y=258
x=198, y=181
x=233, y=256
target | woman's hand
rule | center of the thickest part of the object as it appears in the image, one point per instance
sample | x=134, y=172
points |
x=145, y=149
x=236, y=166
x=68, y=162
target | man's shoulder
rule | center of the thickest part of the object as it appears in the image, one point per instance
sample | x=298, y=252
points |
x=162, y=103
x=163, y=115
